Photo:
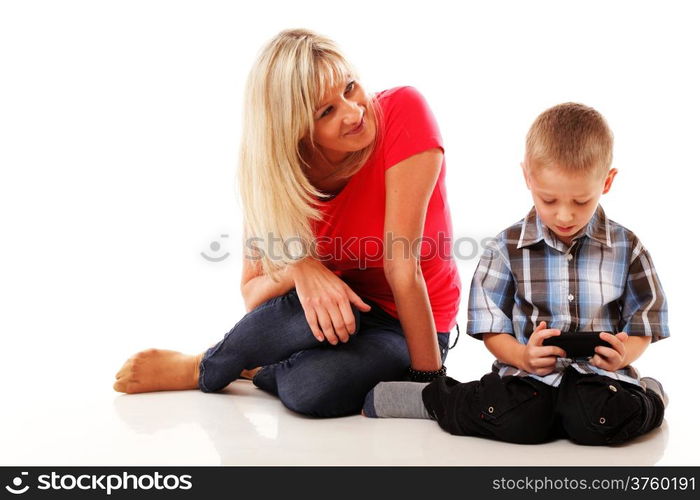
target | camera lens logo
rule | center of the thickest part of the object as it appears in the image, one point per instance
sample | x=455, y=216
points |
x=215, y=246
x=17, y=482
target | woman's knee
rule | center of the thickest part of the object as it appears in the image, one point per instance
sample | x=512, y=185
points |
x=318, y=386
x=318, y=400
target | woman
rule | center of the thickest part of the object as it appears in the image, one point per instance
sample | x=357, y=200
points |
x=354, y=186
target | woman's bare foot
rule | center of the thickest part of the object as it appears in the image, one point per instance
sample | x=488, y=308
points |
x=158, y=370
x=249, y=374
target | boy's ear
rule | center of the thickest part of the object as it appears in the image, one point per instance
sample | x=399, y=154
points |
x=525, y=174
x=609, y=180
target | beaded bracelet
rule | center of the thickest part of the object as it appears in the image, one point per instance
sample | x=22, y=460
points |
x=425, y=376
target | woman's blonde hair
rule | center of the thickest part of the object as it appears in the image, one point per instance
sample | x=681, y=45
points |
x=284, y=89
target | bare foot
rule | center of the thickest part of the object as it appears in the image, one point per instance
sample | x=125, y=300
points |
x=249, y=374
x=158, y=370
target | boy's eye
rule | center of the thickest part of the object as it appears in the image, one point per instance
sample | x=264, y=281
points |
x=548, y=202
x=581, y=203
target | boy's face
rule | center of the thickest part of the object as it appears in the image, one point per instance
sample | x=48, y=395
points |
x=564, y=201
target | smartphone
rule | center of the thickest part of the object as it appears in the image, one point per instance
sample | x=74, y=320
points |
x=577, y=344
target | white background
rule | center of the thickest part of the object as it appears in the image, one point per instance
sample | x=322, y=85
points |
x=119, y=131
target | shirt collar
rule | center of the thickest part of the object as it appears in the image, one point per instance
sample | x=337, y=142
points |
x=534, y=231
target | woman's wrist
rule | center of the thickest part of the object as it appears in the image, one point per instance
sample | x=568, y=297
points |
x=287, y=276
x=425, y=375
x=294, y=268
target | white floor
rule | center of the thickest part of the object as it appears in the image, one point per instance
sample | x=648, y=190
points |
x=245, y=426
x=58, y=406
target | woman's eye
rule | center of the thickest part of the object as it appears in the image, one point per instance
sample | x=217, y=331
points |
x=350, y=87
x=326, y=111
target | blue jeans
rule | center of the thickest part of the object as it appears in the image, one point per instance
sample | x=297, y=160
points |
x=310, y=377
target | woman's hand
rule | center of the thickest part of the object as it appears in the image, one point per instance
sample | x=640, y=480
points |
x=326, y=300
x=611, y=358
x=538, y=359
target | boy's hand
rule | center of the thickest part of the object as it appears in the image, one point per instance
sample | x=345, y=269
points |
x=611, y=358
x=539, y=359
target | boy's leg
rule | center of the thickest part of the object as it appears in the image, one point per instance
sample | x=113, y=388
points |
x=651, y=384
x=268, y=334
x=512, y=409
x=598, y=410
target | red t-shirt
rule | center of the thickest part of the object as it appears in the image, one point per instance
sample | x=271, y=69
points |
x=350, y=238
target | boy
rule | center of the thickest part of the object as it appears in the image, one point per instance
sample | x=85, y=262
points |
x=565, y=267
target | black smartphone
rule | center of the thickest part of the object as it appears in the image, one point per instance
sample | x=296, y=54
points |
x=577, y=344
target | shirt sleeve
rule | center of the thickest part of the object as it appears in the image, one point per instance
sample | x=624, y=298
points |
x=409, y=127
x=492, y=295
x=644, y=309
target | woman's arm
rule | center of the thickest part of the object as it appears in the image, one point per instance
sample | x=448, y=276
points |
x=257, y=288
x=409, y=185
x=326, y=299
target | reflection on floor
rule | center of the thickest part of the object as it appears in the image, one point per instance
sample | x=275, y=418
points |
x=244, y=426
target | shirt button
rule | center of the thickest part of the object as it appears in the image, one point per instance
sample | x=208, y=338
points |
x=569, y=257
x=571, y=297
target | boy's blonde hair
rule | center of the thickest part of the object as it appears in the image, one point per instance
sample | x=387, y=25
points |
x=284, y=89
x=572, y=136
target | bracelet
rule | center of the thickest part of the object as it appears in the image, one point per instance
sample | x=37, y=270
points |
x=425, y=376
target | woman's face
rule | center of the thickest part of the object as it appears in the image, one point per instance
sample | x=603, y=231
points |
x=343, y=123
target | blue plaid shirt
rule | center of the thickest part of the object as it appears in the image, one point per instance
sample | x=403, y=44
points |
x=603, y=281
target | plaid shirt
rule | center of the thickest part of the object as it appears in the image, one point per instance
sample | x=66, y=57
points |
x=604, y=281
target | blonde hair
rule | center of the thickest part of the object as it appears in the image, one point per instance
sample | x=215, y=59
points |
x=284, y=89
x=572, y=136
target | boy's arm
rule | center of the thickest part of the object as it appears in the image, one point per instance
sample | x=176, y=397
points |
x=623, y=351
x=644, y=306
x=505, y=348
x=634, y=348
x=491, y=300
x=532, y=357
x=491, y=295
x=644, y=312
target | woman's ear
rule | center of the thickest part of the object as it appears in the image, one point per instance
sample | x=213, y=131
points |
x=609, y=180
